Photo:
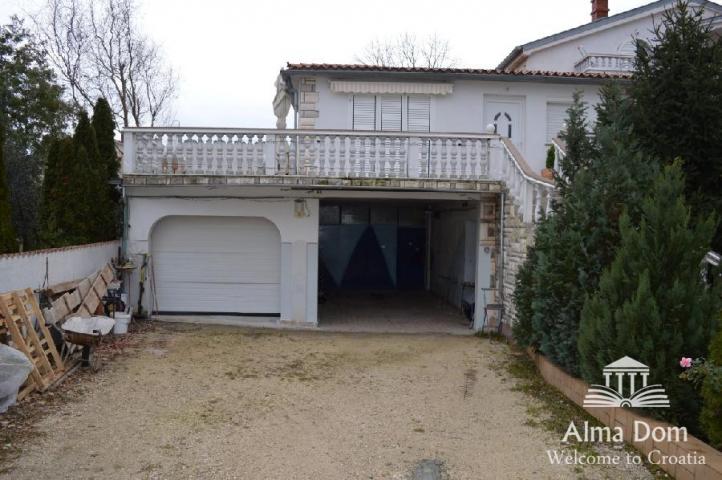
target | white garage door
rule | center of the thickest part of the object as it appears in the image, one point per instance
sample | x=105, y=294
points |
x=229, y=265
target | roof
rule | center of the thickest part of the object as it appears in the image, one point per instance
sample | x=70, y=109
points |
x=599, y=24
x=465, y=72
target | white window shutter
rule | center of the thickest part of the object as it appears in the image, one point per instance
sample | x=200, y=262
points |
x=556, y=117
x=419, y=116
x=390, y=113
x=364, y=112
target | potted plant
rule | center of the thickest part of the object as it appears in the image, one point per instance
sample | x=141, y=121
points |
x=548, y=172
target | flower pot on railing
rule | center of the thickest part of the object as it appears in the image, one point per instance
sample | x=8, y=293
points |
x=547, y=173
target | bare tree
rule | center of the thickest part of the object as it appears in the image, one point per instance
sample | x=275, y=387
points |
x=408, y=51
x=98, y=50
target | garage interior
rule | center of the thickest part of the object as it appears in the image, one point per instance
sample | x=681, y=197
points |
x=397, y=266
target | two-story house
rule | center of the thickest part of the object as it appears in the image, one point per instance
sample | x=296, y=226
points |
x=397, y=191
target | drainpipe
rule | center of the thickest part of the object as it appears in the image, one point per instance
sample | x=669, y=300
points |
x=502, y=253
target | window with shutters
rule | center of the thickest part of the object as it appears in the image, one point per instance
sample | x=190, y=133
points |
x=419, y=113
x=392, y=113
x=556, y=117
x=364, y=112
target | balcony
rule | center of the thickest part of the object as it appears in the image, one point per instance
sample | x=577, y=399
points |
x=605, y=63
x=178, y=156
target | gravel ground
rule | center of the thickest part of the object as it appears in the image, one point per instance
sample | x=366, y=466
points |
x=225, y=402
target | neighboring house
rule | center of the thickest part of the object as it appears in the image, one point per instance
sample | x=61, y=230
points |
x=606, y=44
x=393, y=179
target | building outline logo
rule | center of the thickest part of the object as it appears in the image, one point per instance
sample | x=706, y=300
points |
x=647, y=396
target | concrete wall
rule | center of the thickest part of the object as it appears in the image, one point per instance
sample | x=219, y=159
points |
x=299, y=241
x=28, y=270
x=463, y=111
x=454, y=232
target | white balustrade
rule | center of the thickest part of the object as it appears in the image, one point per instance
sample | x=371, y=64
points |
x=179, y=151
x=530, y=193
x=617, y=63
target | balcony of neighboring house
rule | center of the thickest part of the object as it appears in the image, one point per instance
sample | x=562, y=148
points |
x=332, y=159
x=606, y=63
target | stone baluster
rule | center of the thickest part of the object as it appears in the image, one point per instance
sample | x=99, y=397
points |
x=332, y=172
x=292, y=155
x=434, y=158
x=402, y=164
x=443, y=173
x=342, y=160
x=260, y=157
x=372, y=146
x=322, y=155
x=454, y=170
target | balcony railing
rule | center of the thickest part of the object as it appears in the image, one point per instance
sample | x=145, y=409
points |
x=305, y=152
x=332, y=153
x=606, y=63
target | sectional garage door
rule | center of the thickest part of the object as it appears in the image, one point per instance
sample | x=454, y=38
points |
x=221, y=265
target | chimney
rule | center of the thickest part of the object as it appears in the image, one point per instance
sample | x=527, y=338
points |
x=600, y=9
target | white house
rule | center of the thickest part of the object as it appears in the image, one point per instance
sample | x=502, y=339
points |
x=395, y=185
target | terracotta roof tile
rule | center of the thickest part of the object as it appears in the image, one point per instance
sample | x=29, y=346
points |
x=452, y=71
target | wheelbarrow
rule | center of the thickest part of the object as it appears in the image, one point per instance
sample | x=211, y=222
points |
x=87, y=332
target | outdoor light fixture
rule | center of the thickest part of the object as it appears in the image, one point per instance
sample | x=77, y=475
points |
x=300, y=209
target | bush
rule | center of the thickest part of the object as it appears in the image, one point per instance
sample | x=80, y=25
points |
x=711, y=417
x=651, y=304
x=551, y=156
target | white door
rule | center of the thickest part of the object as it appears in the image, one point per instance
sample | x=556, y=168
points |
x=507, y=118
x=222, y=265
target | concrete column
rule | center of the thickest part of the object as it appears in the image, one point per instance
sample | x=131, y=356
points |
x=486, y=290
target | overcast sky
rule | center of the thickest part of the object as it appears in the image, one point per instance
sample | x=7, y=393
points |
x=228, y=52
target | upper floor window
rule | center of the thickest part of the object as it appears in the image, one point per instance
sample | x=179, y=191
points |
x=392, y=113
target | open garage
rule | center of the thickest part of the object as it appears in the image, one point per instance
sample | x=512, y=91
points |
x=397, y=265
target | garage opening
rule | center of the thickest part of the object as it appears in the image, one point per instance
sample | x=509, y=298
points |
x=216, y=266
x=397, y=265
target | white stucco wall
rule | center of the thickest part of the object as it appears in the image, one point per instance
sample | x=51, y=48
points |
x=27, y=270
x=299, y=241
x=463, y=110
x=564, y=56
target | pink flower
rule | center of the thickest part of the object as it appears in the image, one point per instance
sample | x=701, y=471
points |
x=685, y=362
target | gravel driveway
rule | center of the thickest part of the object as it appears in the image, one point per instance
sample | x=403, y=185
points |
x=224, y=402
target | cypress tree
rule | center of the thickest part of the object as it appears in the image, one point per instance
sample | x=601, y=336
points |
x=88, y=184
x=651, y=303
x=104, y=127
x=573, y=246
x=8, y=241
x=677, y=91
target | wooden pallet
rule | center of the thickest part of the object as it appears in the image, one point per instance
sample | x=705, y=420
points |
x=20, y=312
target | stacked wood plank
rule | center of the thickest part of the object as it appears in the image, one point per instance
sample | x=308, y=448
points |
x=23, y=325
x=83, y=300
x=20, y=315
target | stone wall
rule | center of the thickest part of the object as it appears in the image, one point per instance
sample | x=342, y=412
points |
x=518, y=236
x=308, y=104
